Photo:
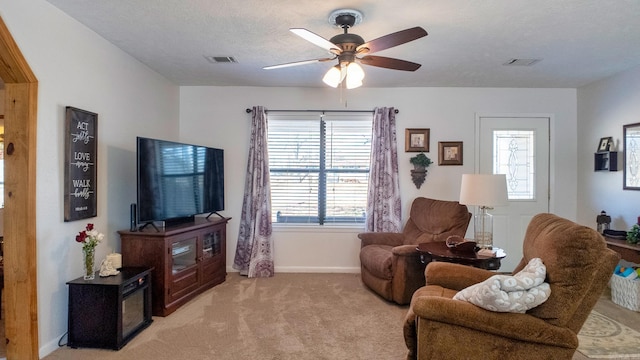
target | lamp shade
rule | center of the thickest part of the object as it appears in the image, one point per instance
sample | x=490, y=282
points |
x=355, y=71
x=352, y=84
x=333, y=76
x=337, y=74
x=484, y=189
x=355, y=74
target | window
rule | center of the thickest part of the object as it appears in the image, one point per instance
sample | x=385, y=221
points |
x=514, y=156
x=319, y=167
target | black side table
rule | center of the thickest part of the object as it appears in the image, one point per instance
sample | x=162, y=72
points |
x=107, y=312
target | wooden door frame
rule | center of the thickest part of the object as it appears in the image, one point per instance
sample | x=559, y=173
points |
x=20, y=257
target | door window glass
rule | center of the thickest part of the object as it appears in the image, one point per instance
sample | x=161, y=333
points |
x=514, y=155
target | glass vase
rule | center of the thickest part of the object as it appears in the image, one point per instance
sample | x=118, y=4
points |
x=88, y=262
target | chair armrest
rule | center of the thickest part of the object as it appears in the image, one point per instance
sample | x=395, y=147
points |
x=380, y=238
x=523, y=327
x=454, y=276
x=405, y=250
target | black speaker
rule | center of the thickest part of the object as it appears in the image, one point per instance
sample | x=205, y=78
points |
x=134, y=221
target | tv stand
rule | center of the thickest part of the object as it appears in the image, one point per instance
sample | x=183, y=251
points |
x=188, y=259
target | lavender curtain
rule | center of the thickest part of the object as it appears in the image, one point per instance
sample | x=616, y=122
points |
x=254, y=252
x=383, y=201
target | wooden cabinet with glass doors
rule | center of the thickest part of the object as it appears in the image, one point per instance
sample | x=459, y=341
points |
x=188, y=259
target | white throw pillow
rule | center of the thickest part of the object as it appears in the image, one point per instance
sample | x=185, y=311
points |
x=505, y=293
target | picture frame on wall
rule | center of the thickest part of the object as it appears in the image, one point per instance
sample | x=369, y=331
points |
x=605, y=144
x=80, y=164
x=416, y=140
x=450, y=153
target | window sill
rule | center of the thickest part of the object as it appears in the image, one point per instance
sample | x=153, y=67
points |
x=333, y=228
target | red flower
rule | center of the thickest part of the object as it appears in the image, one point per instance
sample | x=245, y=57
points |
x=89, y=227
x=81, y=236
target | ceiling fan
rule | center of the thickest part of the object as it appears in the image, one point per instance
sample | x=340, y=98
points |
x=351, y=49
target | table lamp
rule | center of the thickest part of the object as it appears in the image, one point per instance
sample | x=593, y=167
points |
x=484, y=191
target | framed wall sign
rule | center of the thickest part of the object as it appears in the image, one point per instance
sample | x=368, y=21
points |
x=450, y=153
x=80, y=166
x=416, y=140
x=631, y=173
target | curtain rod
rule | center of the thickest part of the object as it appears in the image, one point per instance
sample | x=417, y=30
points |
x=248, y=111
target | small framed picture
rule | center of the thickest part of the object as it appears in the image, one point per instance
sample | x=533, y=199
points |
x=416, y=140
x=450, y=153
x=605, y=144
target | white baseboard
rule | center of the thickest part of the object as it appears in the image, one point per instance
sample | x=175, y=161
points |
x=51, y=346
x=309, y=269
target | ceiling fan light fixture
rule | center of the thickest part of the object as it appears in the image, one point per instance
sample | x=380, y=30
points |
x=352, y=74
x=347, y=46
x=352, y=84
x=355, y=71
x=355, y=74
x=333, y=77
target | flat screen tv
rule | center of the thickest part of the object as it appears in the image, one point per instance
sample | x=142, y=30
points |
x=177, y=181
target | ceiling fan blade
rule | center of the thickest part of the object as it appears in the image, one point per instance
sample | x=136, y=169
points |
x=389, y=63
x=317, y=40
x=391, y=40
x=296, y=63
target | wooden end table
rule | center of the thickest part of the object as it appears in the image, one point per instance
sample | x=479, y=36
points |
x=629, y=252
x=439, y=251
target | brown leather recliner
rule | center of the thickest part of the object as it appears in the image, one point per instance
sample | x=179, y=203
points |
x=389, y=262
x=578, y=268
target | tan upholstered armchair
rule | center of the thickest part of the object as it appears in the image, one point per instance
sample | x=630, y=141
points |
x=578, y=267
x=390, y=264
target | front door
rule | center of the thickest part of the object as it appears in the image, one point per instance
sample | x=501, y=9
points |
x=519, y=148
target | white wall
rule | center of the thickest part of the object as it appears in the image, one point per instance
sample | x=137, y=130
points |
x=216, y=116
x=603, y=108
x=77, y=68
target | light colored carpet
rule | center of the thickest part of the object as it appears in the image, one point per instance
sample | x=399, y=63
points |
x=604, y=338
x=310, y=316
x=289, y=316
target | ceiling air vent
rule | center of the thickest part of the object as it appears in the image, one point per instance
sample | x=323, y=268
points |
x=521, y=62
x=220, y=59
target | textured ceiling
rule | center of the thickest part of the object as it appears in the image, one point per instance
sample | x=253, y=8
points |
x=579, y=41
